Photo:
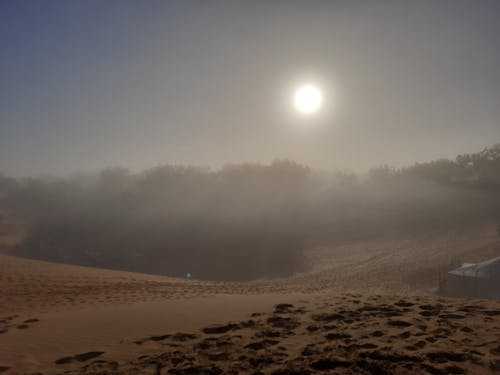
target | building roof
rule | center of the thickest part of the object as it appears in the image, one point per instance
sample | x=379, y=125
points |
x=489, y=269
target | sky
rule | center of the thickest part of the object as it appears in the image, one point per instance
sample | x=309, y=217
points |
x=90, y=84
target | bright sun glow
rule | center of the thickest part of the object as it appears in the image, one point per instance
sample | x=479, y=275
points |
x=307, y=99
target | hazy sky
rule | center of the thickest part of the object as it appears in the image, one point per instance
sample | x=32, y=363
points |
x=89, y=84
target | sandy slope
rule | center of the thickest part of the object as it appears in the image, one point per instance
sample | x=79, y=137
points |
x=34, y=342
x=341, y=334
x=409, y=265
x=50, y=312
x=32, y=285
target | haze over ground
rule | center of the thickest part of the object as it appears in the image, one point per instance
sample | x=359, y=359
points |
x=182, y=187
x=90, y=84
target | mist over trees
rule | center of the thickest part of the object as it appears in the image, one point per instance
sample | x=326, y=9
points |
x=243, y=221
x=240, y=222
x=478, y=170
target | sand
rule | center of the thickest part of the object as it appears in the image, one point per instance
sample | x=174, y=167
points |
x=346, y=334
x=35, y=342
x=366, y=307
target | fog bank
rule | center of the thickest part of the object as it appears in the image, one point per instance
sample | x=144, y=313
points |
x=243, y=221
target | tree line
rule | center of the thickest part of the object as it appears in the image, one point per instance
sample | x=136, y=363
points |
x=243, y=221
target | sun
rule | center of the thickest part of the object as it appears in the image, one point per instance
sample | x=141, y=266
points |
x=308, y=99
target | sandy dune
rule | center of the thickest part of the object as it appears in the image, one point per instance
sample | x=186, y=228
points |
x=346, y=334
x=409, y=265
x=365, y=307
x=32, y=342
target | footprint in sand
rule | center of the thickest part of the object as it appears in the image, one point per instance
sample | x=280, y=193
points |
x=78, y=357
x=404, y=335
x=337, y=336
x=183, y=336
x=221, y=356
x=261, y=344
x=451, y=316
x=220, y=328
x=309, y=350
x=270, y=333
x=329, y=364
x=398, y=323
x=443, y=357
x=283, y=308
x=285, y=323
x=403, y=303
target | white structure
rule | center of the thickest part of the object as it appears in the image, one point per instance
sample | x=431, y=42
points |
x=481, y=280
